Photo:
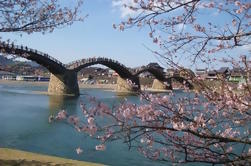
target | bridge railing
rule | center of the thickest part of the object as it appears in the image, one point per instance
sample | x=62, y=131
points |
x=26, y=49
x=78, y=63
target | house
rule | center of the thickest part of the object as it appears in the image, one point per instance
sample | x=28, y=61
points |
x=114, y=74
x=145, y=75
x=7, y=75
x=43, y=79
x=103, y=81
x=211, y=75
x=26, y=78
x=201, y=73
x=237, y=75
x=170, y=72
x=110, y=72
x=84, y=79
x=223, y=71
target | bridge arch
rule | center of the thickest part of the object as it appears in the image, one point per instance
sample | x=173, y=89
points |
x=52, y=64
x=160, y=80
x=157, y=73
x=123, y=72
x=62, y=80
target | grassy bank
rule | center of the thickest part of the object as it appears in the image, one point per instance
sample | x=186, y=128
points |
x=11, y=157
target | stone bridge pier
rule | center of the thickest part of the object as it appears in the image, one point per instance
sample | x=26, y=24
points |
x=124, y=86
x=161, y=86
x=64, y=84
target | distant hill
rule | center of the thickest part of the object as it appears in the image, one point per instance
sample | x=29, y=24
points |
x=33, y=64
x=5, y=61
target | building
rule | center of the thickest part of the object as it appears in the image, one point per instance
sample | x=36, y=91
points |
x=170, y=72
x=110, y=73
x=26, y=78
x=224, y=71
x=211, y=75
x=115, y=74
x=7, y=75
x=43, y=79
x=145, y=75
x=237, y=75
x=32, y=78
x=201, y=73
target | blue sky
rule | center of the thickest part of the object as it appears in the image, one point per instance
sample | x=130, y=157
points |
x=93, y=37
x=96, y=37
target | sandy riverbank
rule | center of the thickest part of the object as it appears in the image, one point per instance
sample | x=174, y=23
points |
x=97, y=86
x=81, y=86
x=12, y=82
x=109, y=87
x=11, y=157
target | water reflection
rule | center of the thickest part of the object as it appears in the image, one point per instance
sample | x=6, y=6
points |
x=57, y=102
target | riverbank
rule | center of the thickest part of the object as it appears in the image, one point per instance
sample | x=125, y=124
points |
x=13, y=82
x=81, y=86
x=11, y=157
x=97, y=86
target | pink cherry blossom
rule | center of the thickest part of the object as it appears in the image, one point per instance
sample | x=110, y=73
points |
x=61, y=115
x=79, y=150
x=100, y=147
x=57, y=15
x=207, y=124
x=237, y=3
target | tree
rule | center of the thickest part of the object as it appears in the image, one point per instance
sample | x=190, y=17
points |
x=28, y=16
x=184, y=26
x=210, y=124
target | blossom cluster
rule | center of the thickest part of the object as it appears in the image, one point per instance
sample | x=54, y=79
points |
x=30, y=16
x=177, y=26
x=196, y=128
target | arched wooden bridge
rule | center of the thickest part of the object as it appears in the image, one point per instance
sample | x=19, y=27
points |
x=121, y=69
x=64, y=76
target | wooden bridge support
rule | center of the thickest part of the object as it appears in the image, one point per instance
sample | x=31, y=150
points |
x=124, y=86
x=64, y=84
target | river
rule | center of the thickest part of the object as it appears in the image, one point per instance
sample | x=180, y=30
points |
x=24, y=125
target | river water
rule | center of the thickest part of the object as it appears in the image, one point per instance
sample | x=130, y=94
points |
x=24, y=125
